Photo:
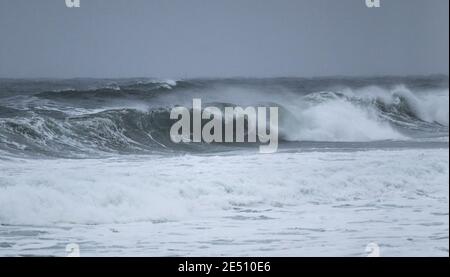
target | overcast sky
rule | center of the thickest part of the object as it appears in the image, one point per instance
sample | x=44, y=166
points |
x=222, y=38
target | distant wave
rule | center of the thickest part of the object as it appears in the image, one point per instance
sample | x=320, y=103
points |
x=108, y=89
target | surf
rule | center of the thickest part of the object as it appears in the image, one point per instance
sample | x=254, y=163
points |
x=94, y=117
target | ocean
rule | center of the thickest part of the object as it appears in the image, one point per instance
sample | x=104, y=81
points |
x=360, y=161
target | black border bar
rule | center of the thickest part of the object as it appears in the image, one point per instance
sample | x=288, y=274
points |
x=356, y=266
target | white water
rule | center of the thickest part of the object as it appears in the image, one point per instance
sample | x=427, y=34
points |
x=297, y=204
x=339, y=120
x=325, y=116
x=342, y=114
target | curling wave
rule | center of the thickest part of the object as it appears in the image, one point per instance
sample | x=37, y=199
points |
x=132, y=116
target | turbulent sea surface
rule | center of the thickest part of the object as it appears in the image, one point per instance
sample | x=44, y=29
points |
x=90, y=161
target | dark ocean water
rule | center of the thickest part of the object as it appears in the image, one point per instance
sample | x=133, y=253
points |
x=95, y=117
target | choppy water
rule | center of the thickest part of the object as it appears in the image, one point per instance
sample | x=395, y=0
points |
x=87, y=118
x=90, y=162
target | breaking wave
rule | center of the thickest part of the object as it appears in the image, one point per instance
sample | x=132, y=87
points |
x=133, y=116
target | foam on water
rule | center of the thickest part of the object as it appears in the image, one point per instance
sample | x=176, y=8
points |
x=116, y=190
x=306, y=200
x=360, y=160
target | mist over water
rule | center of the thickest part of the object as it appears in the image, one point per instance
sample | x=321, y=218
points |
x=92, y=117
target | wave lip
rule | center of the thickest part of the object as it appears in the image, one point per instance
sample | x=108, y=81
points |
x=367, y=114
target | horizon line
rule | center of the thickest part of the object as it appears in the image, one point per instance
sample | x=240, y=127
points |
x=233, y=77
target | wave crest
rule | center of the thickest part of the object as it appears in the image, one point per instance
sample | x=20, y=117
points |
x=135, y=119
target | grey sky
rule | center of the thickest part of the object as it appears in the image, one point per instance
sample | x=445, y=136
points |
x=222, y=38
